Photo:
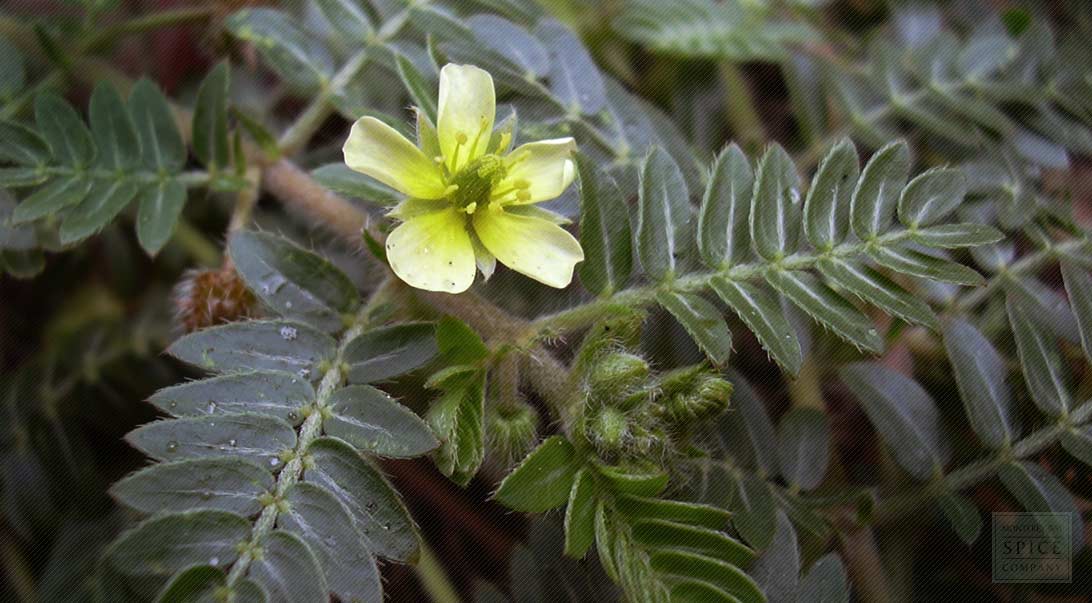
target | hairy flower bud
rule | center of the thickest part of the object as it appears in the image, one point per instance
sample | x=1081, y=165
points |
x=609, y=430
x=707, y=398
x=210, y=297
x=615, y=373
x=511, y=431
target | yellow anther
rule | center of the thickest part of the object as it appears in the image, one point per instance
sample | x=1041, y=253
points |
x=460, y=137
x=521, y=183
x=470, y=208
x=523, y=195
x=450, y=190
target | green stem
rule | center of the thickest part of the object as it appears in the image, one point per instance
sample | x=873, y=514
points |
x=583, y=316
x=900, y=505
x=308, y=432
x=433, y=578
x=740, y=108
x=203, y=251
x=321, y=107
x=1024, y=265
x=159, y=20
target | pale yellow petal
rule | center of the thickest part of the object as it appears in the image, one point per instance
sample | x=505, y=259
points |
x=487, y=262
x=531, y=246
x=467, y=107
x=412, y=207
x=433, y=252
x=538, y=171
x=378, y=150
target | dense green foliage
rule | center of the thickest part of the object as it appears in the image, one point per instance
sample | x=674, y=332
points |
x=780, y=350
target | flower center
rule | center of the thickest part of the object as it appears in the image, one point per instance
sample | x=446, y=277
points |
x=474, y=183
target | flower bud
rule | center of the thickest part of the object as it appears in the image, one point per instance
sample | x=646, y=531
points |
x=707, y=398
x=609, y=430
x=615, y=373
x=511, y=431
x=210, y=297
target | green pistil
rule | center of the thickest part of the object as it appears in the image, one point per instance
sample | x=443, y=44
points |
x=475, y=183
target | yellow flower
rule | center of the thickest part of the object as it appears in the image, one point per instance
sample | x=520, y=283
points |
x=470, y=200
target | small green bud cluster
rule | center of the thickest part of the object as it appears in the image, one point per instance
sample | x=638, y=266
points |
x=631, y=414
x=692, y=394
x=511, y=430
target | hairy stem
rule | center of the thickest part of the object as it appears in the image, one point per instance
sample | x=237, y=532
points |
x=585, y=315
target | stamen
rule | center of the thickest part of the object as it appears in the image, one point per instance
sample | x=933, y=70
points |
x=460, y=140
x=477, y=138
x=523, y=196
x=470, y=208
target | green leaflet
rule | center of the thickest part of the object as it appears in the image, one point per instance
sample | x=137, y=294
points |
x=386, y=352
x=275, y=394
x=963, y=515
x=877, y=191
x=1046, y=376
x=321, y=521
x=54, y=196
x=211, y=144
x=22, y=146
x=113, y=130
x=349, y=18
x=277, y=345
x=718, y=574
x=605, y=232
x=689, y=513
x=160, y=141
x=803, y=442
x=199, y=583
x=702, y=321
x=167, y=544
x=905, y=415
x=419, y=85
x=1040, y=492
x=915, y=263
x=297, y=57
x=777, y=570
x=725, y=210
x=753, y=511
x=951, y=236
x=103, y=203
x=826, y=581
x=160, y=206
x=340, y=179
x=377, y=511
x=221, y=483
x=288, y=569
x=980, y=375
x=763, y=315
x=61, y=127
x=1078, y=286
x=296, y=283
x=370, y=420
x=660, y=533
x=458, y=419
x=827, y=207
x=931, y=196
x=258, y=438
x=876, y=289
x=775, y=208
x=663, y=224
x=580, y=515
x=827, y=308
x=543, y=479
x=574, y=78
